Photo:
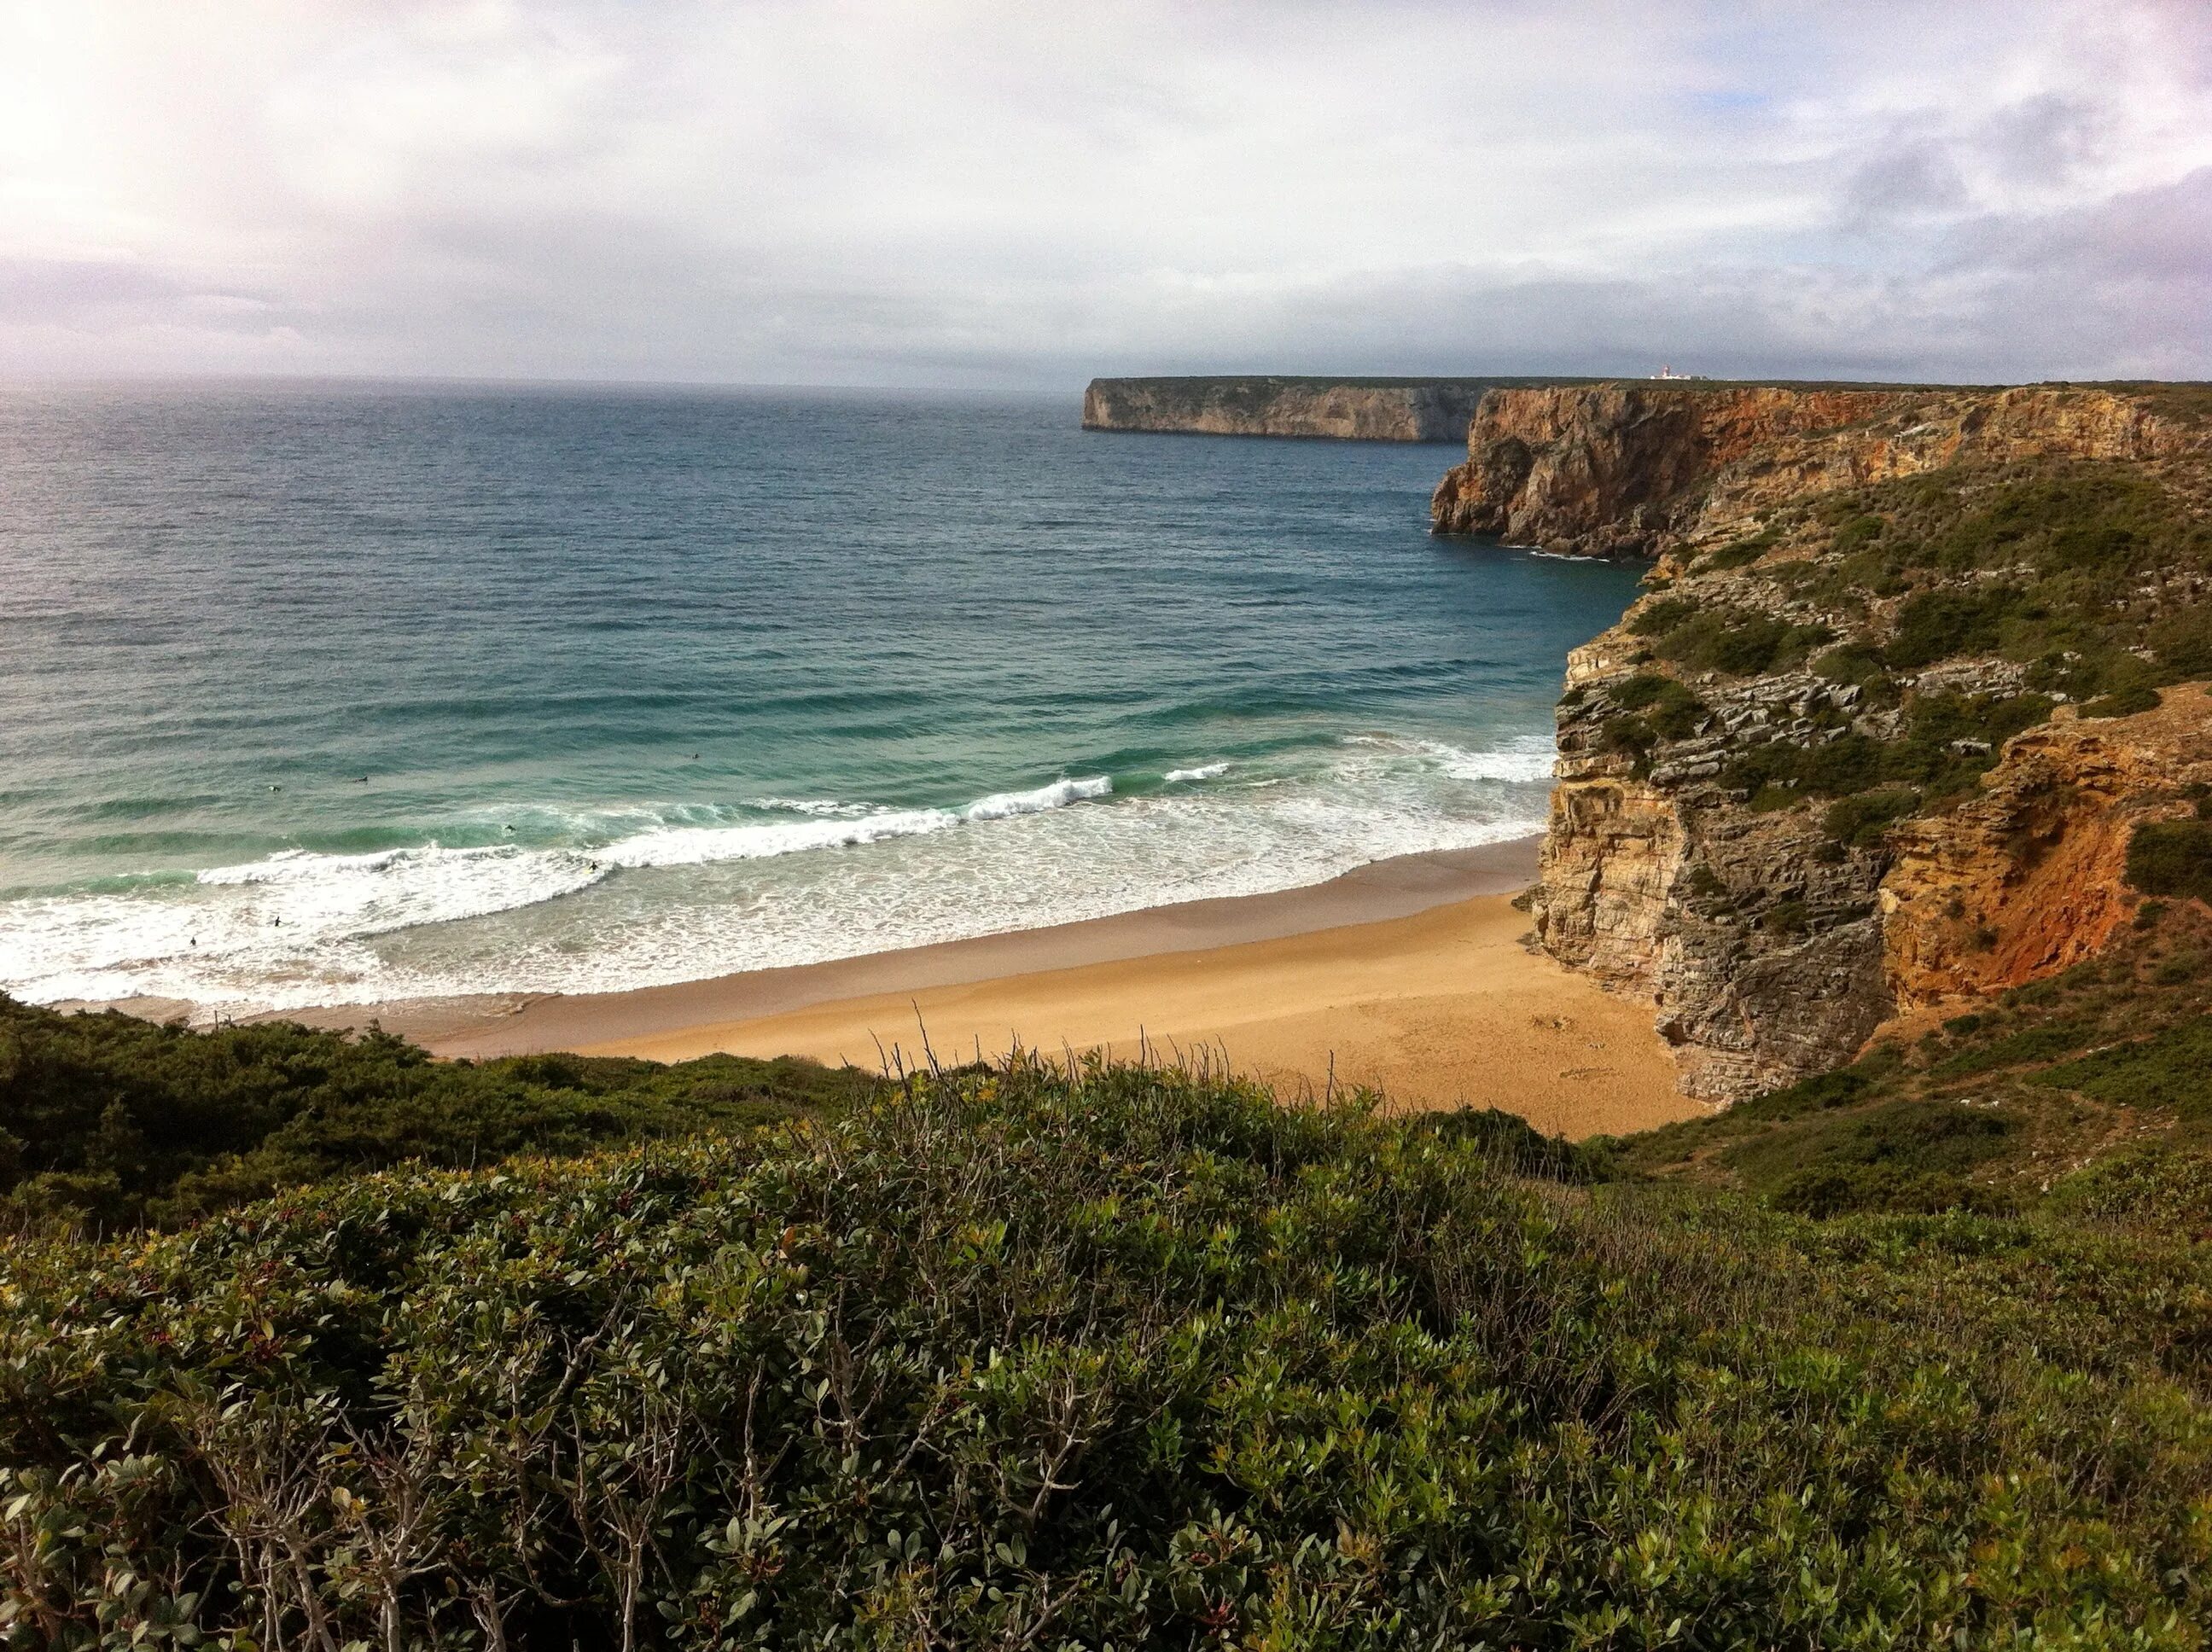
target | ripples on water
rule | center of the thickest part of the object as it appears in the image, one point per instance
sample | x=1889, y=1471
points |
x=313, y=695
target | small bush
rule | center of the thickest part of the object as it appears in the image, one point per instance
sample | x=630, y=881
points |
x=2030, y=1044
x=1737, y=642
x=2163, y=1187
x=1787, y=917
x=1940, y=624
x=2123, y=703
x=1742, y=554
x=1859, y=531
x=116, y=1121
x=1899, y=1156
x=1672, y=711
x=1823, y=1092
x=2172, y=858
x=2184, y=643
x=1852, y=663
x=1862, y=821
x=1664, y=615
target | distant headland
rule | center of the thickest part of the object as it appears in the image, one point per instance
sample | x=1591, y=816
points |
x=1270, y=404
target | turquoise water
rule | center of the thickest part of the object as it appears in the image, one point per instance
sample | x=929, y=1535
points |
x=314, y=696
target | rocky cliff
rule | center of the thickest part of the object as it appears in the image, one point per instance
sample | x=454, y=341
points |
x=1629, y=469
x=1911, y=667
x=1356, y=410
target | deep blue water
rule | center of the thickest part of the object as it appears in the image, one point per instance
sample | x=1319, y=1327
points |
x=314, y=694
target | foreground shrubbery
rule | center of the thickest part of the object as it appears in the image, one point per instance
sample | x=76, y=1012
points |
x=1120, y=1358
x=109, y=1120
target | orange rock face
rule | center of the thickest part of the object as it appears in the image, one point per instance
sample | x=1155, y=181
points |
x=2029, y=876
x=1623, y=468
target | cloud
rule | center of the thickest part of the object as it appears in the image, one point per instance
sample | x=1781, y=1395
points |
x=977, y=192
x=1915, y=180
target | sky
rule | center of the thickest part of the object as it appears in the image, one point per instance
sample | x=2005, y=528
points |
x=1019, y=196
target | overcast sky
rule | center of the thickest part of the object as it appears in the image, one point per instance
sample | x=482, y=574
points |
x=938, y=193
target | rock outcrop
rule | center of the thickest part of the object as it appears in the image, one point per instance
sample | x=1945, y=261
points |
x=2028, y=877
x=1625, y=469
x=1349, y=409
x=1833, y=766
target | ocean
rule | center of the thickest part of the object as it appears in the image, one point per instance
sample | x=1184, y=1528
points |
x=329, y=695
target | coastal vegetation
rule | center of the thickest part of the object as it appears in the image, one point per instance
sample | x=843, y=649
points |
x=2085, y=574
x=112, y=1121
x=1107, y=1355
x=2087, y=1091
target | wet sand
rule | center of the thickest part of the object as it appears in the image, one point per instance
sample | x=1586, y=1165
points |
x=524, y=1024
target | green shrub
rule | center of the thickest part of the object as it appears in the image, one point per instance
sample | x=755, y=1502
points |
x=1900, y=1155
x=1861, y=821
x=1742, y=554
x=1787, y=917
x=1941, y=624
x=2123, y=703
x=2171, y=1069
x=1823, y=1092
x=1859, y=531
x=116, y=1120
x=2043, y=1043
x=1672, y=710
x=1664, y=615
x=1738, y=643
x=2183, y=642
x=1510, y=1144
x=2172, y=858
x=2166, y=1187
x=1826, y=1191
x=1853, y=663
x=1119, y=1357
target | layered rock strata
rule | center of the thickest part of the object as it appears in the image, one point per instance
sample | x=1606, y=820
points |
x=1628, y=470
x=1775, y=929
x=1351, y=409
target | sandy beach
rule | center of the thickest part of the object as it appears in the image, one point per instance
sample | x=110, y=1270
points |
x=1410, y=976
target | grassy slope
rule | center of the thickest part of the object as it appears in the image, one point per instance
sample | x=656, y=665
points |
x=1127, y=1359
x=2087, y=1094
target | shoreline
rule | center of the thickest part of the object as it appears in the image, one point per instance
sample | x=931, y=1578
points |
x=1414, y=977
x=479, y=1026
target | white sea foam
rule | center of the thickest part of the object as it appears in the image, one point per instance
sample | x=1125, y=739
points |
x=699, y=845
x=1203, y=772
x=716, y=890
x=1529, y=759
x=831, y=807
x=1001, y=806
x=1525, y=759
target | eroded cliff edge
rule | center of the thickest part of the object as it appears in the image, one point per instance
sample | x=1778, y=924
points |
x=1348, y=410
x=1911, y=666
